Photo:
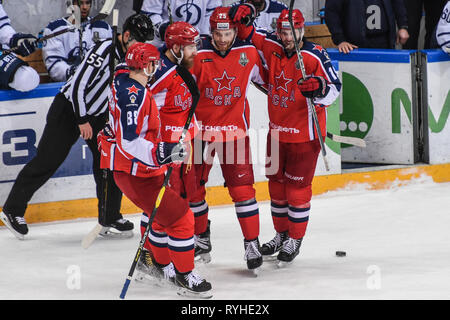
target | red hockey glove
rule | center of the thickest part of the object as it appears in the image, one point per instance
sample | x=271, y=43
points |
x=244, y=14
x=313, y=87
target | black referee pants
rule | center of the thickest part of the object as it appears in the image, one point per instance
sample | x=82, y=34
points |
x=60, y=133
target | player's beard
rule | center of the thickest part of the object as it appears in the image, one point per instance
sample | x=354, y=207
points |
x=188, y=63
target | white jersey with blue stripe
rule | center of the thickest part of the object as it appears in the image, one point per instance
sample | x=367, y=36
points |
x=6, y=30
x=62, y=51
x=443, y=29
x=267, y=18
x=194, y=12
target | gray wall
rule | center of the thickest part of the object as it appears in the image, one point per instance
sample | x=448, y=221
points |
x=31, y=16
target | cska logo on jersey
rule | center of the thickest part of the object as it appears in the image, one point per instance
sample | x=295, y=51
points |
x=281, y=82
x=243, y=60
x=224, y=82
x=133, y=89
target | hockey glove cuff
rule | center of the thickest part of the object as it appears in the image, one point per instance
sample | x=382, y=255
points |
x=167, y=152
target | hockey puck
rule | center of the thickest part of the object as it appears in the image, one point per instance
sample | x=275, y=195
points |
x=341, y=253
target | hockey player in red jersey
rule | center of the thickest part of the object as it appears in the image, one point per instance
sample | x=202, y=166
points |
x=292, y=136
x=174, y=102
x=138, y=158
x=223, y=69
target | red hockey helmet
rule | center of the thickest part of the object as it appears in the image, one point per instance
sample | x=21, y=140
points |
x=297, y=19
x=139, y=55
x=220, y=19
x=181, y=33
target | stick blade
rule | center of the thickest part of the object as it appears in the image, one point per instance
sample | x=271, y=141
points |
x=91, y=236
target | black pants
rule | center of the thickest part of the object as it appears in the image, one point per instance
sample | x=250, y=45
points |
x=433, y=10
x=60, y=133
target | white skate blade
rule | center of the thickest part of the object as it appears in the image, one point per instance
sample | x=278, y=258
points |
x=147, y=279
x=191, y=294
x=203, y=258
x=254, y=272
x=91, y=236
x=10, y=228
x=283, y=264
x=108, y=233
x=270, y=258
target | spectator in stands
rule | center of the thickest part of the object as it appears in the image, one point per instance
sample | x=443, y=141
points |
x=14, y=72
x=267, y=12
x=62, y=54
x=415, y=9
x=443, y=30
x=366, y=23
x=194, y=12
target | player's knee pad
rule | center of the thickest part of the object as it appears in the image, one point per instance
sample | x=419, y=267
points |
x=277, y=191
x=298, y=197
x=241, y=193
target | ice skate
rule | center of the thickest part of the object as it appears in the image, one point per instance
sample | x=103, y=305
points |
x=253, y=256
x=203, y=246
x=120, y=229
x=154, y=274
x=273, y=246
x=288, y=252
x=16, y=224
x=192, y=285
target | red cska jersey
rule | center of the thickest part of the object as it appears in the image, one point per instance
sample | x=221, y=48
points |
x=223, y=111
x=174, y=100
x=288, y=111
x=134, y=119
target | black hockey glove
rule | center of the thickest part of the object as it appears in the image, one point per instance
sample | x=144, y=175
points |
x=23, y=44
x=313, y=87
x=244, y=13
x=170, y=152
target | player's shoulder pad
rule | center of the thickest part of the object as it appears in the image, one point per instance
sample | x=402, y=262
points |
x=317, y=50
x=130, y=93
x=276, y=6
x=99, y=24
x=55, y=24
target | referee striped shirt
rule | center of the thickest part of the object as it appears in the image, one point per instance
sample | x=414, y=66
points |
x=88, y=89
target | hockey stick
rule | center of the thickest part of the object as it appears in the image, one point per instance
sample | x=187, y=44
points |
x=91, y=236
x=337, y=138
x=192, y=86
x=311, y=106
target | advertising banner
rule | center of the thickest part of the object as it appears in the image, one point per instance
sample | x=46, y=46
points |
x=438, y=103
x=377, y=105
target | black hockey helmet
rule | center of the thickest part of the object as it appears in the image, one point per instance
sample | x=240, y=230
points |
x=140, y=27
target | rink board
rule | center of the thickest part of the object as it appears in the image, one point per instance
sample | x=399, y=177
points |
x=437, y=75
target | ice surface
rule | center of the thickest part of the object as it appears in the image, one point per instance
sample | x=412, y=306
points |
x=397, y=244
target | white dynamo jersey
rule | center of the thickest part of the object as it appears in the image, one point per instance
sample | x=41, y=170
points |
x=194, y=12
x=6, y=31
x=443, y=29
x=267, y=19
x=62, y=51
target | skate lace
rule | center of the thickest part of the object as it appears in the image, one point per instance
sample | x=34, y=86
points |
x=276, y=242
x=169, y=271
x=193, y=279
x=200, y=242
x=251, y=250
x=20, y=220
x=290, y=245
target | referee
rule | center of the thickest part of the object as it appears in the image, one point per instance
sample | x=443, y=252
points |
x=79, y=108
